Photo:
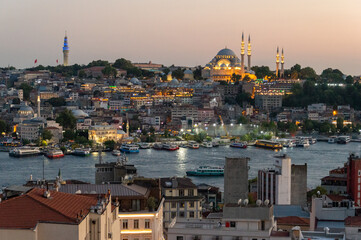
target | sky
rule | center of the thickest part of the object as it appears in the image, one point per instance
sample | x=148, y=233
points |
x=315, y=33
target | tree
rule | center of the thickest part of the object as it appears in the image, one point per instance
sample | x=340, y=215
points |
x=16, y=101
x=339, y=123
x=69, y=135
x=82, y=74
x=57, y=102
x=243, y=120
x=317, y=191
x=109, y=71
x=26, y=90
x=263, y=71
x=349, y=79
x=66, y=119
x=308, y=73
x=46, y=135
x=178, y=74
x=110, y=144
x=3, y=126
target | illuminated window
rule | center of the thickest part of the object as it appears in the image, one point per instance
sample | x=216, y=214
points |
x=181, y=204
x=136, y=224
x=147, y=223
x=125, y=224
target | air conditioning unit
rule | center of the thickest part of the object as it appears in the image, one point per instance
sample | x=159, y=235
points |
x=110, y=235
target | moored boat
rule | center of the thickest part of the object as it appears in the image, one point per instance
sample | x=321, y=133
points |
x=343, y=139
x=129, y=148
x=193, y=145
x=170, y=147
x=158, y=146
x=302, y=143
x=144, y=145
x=116, y=152
x=268, y=144
x=215, y=144
x=81, y=152
x=54, y=153
x=24, y=151
x=206, y=171
x=207, y=144
x=238, y=145
x=332, y=139
x=290, y=143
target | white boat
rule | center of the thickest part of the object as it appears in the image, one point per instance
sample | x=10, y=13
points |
x=54, y=153
x=206, y=171
x=238, y=145
x=193, y=145
x=82, y=152
x=302, y=143
x=343, y=139
x=170, y=147
x=144, y=145
x=290, y=144
x=332, y=139
x=207, y=144
x=116, y=152
x=215, y=144
x=24, y=151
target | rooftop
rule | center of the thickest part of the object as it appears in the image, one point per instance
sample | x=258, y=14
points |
x=119, y=190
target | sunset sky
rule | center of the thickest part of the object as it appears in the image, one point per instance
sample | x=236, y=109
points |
x=316, y=33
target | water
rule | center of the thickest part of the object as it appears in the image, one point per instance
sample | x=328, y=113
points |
x=320, y=158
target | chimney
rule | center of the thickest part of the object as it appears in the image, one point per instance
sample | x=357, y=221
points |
x=174, y=182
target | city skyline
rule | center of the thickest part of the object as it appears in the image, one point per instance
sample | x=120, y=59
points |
x=183, y=33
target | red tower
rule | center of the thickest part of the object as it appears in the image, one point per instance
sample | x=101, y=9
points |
x=354, y=178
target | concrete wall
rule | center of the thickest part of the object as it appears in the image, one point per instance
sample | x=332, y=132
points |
x=299, y=184
x=260, y=213
x=7, y=234
x=283, y=182
x=235, y=179
x=57, y=231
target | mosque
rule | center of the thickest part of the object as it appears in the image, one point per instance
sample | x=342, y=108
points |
x=226, y=63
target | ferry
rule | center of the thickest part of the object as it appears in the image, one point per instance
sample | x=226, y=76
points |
x=81, y=152
x=238, y=145
x=343, y=139
x=310, y=140
x=193, y=145
x=207, y=144
x=332, y=139
x=116, y=152
x=158, y=146
x=303, y=143
x=24, y=152
x=170, y=147
x=144, y=145
x=215, y=144
x=289, y=144
x=206, y=171
x=129, y=148
x=268, y=144
x=54, y=153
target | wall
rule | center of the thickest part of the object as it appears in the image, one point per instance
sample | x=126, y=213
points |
x=7, y=234
x=299, y=184
x=235, y=179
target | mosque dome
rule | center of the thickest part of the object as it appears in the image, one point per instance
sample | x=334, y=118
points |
x=26, y=110
x=79, y=113
x=188, y=71
x=174, y=81
x=135, y=81
x=226, y=52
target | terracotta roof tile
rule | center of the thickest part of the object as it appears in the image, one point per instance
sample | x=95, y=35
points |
x=293, y=220
x=353, y=221
x=27, y=210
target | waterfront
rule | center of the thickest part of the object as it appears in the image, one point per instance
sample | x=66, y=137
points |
x=320, y=158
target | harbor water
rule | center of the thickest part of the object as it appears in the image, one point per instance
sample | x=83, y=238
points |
x=320, y=158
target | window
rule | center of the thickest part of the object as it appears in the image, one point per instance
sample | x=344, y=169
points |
x=233, y=224
x=174, y=205
x=179, y=237
x=147, y=223
x=125, y=224
x=181, y=204
x=181, y=192
x=262, y=225
x=191, y=214
x=191, y=192
x=181, y=214
x=136, y=224
x=359, y=173
x=191, y=204
x=173, y=214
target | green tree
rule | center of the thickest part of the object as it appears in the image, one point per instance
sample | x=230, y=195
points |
x=26, y=90
x=339, y=123
x=46, y=135
x=308, y=73
x=178, y=73
x=68, y=135
x=82, y=74
x=3, y=126
x=109, y=71
x=57, y=102
x=66, y=119
x=110, y=144
x=243, y=120
x=263, y=71
x=317, y=191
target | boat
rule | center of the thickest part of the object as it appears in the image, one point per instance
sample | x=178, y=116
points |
x=170, y=147
x=193, y=145
x=289, y=144
x=238, y=145
x=343, y=139
x=158, y=146
x=332, y=139
x=215, y=144
x=144, y=145
x=116, y=152
x=129, y=148
x=302, y=143
x=81, y=152
x=24, y=151
x=54, y=153
x=311, y=140
x=268, y=144
x=207, y=144
x=206, y=171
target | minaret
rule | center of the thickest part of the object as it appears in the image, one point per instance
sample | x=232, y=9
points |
x=242, y=54
x=65, y=51
x=282, y=65
x=277, y=62
x=39, y=106
x=249, y=53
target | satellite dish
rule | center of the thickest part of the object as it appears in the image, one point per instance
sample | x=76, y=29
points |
x=259, y=202
x=239, y=202
x=245, y=202
x=266, y=202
